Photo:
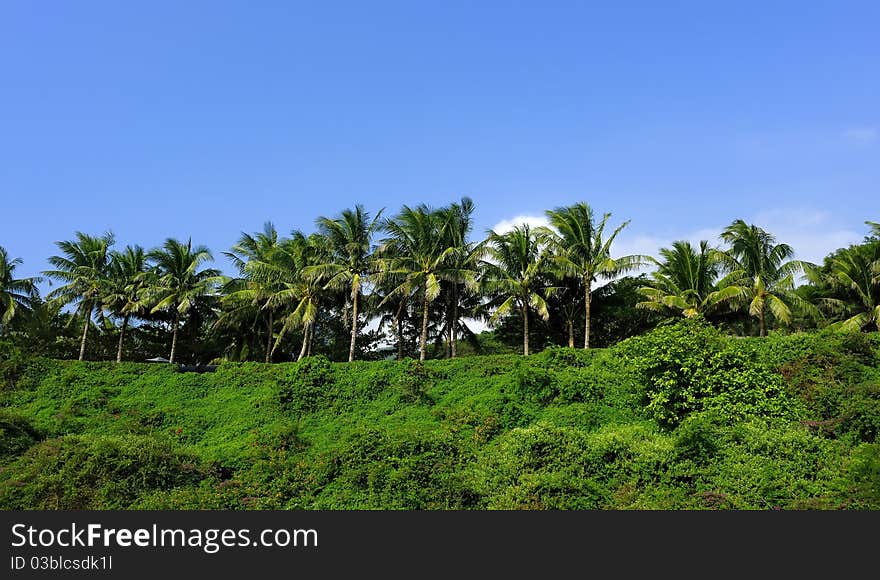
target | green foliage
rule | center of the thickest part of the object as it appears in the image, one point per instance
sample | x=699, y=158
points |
x=545, y=467
x=835, y=377
x=12, y=362
x=859, y=485
x=304, y=390
x=17, y=435
x=690, y=366
x=680, y=418
x=90, y=472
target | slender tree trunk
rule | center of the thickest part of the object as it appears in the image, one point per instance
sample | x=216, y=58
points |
x=587, y=315
x=399, y=336
x=453, y=339
x=174, y=335
x=302, y=351
x=424, y=340
x=354, y=326
x=311, y=337
x=121, y=338
x=570, y=333
x=761, y=324
x=82, y=343
x=269, y=338
x=525, y=317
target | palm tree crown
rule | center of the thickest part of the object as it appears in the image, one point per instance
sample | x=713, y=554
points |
x=415, y=253
x=582, y=250
x=515, y=271
x=125, y=284
x=686, y=281
x=178, y=283
x=16, y=294
x=351, y=263
x=764, y=273
x=83, y=266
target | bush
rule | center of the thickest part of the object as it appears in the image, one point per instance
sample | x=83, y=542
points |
x=17, y=435
x=304, y=391
x=690, y=366
x=93, y=472
x=547, y=467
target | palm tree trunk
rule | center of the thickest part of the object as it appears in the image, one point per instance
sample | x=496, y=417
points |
x=453, y=339
x=82, y=343
x=302, y=351
x=174, y=335
x=570, y=333
x=525, y=317
x=354, y=326
x=761, y=323
x=269, y=338
x=399, y=336
x=311, y=337
x=121, y=338
x=587, y=315
x=424, y=339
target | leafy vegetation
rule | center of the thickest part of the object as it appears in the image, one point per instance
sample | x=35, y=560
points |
x=683, y=417
x=730, y=377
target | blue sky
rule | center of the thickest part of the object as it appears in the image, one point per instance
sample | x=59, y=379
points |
x=158, y=119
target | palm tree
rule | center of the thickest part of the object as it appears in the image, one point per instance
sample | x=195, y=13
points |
x=764, y=273
x=857, y=269
x=16, y=294
x=686, y=281
x=83, y=265
x=462, y=263
x=415, y=254
x=875, y=228
x=351, y=262
x=125, y=284
x=581, y=251
x=514, y=274
x=178, y=283
x=248, y=295
x=292, y=291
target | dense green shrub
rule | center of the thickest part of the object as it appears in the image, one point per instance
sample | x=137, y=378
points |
x=547, y=467
x=691, y=366
x=303, y=390
x=859, y=484
x=93, y=472
x=17, y=435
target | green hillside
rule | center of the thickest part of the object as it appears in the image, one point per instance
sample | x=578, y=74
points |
x=683, y=417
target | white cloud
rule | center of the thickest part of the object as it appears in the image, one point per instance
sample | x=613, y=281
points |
x=862, y=134
x=534, y=221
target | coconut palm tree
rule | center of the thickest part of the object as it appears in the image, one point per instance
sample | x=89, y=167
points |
x=178, y=283
x=764, y=273
x=581, y=250
x=16, y=294
x=351, y=263
x=462, y=264
x=246, y=297
x=293, y=293
x=125, y=284
x=856, y=270
x=686, y=281
x=83, y=266
x=515, y=273
x=415, y=253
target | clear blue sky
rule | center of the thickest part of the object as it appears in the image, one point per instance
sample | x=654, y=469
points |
x=158, y=119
